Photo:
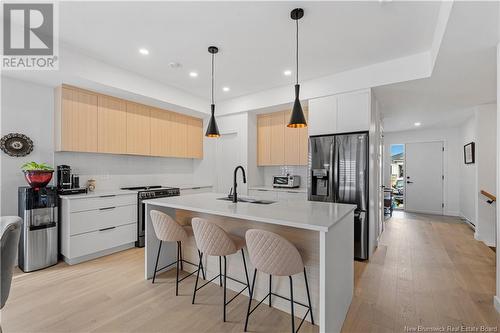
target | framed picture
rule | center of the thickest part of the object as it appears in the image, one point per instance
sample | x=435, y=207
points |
x=469, y=153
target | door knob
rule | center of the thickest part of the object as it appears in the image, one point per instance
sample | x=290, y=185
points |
x=409, y=182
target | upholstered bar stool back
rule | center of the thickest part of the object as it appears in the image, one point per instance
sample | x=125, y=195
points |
x=273, y=254
x=167, y=229
x=212, y=240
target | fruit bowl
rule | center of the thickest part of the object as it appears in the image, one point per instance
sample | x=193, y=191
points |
x=38, y=178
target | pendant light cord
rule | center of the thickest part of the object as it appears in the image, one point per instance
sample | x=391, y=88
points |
x=297, y=52
x=213, y=56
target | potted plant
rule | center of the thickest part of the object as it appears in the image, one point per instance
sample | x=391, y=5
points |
x=37, y=175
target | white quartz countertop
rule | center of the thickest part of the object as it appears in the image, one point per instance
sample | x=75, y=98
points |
x=191, y=186
x=278, y=189
x=98, y=193
x=310, y=215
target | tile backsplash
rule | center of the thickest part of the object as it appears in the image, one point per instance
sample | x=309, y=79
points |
x=270, y=171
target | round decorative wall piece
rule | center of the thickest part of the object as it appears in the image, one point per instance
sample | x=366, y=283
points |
x=16, y=144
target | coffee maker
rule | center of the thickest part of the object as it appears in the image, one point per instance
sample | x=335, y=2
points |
x=68, y=183
x=63, y=177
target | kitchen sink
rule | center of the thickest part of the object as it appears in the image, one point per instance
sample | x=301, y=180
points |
x=249, y=200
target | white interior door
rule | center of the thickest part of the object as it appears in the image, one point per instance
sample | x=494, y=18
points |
x=227, y=158
x=424, y=177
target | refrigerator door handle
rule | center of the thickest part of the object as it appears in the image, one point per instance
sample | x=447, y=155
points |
x=333, y=171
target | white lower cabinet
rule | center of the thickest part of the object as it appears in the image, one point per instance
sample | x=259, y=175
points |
x=96, y=226
x=277, y=194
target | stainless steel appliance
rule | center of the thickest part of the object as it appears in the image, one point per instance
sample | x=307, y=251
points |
x=38, y=243
x=288, y=181
x=338, y=172
x=145, y=193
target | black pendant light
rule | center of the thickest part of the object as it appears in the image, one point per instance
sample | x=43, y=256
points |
x=297, y=119
x=212, y=129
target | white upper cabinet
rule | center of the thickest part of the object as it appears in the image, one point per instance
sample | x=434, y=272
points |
x=353, y=112
x=323, y=115
x=341, y=113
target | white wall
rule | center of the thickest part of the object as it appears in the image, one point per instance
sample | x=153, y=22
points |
x=468, y=174
x=27, y=108
x=486, y=153
x=452, y=160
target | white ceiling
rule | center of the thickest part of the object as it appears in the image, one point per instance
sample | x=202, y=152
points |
x=464, y=75
x=256, y=39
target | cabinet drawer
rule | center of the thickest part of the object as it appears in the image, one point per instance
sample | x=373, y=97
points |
x=78, y=205
x=96, y=241
x=93, y=220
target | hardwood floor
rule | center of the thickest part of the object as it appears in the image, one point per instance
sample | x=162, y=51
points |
x=427, y=271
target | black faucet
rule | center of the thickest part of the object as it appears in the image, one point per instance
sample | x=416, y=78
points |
x=235, y=194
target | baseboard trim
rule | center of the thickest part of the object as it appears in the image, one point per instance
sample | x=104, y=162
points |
x=77, y=260
x=496, y=302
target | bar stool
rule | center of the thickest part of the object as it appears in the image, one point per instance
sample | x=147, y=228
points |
x=168, y=230
x=274, y=255
x=212, y=240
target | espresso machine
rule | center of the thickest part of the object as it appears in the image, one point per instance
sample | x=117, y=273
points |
x=39, y=237
x=68, y=183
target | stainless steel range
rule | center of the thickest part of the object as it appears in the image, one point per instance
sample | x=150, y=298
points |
x=146, y=193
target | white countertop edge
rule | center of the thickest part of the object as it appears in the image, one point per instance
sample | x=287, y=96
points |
x=250, y=217
x=97, y=194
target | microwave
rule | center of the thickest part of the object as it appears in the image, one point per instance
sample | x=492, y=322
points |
x=286, y=181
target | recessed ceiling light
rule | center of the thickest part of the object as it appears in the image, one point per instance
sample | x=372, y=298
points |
x=287, y=72
x=226, y=89
x=144, y=51
x=193, y=74
x=417, y=123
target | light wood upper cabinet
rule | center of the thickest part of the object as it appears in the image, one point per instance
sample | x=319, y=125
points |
x=86, y=121
x=179, y=135
x=277, y=138
x=161, y=132
x=138, y=129
x=279, y=145
x=76, y=120
x=264, y=139
x=194, y=137
x=112, y=125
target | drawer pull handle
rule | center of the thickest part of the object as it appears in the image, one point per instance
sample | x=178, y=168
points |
x=107, y=208
x=196, y=188
x=262, y=190
x=110, y=228
x=108, y=196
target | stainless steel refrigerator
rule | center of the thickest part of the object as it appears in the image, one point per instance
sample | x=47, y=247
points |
x=338, y=172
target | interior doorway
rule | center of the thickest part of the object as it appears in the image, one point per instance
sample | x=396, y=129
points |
x=398, y=176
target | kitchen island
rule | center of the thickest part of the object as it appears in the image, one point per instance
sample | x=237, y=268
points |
x=323, y=233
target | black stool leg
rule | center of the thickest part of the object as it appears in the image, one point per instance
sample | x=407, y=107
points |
x=270, y=286
x=177, y=269
x=225, y=272
x=181, y=258
x=246, y=272
x=220, y=271
x=291, y=304
x=308, y=297
x=197, y=276
x=202, y=270
x=250, y=299
x=157, y=258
